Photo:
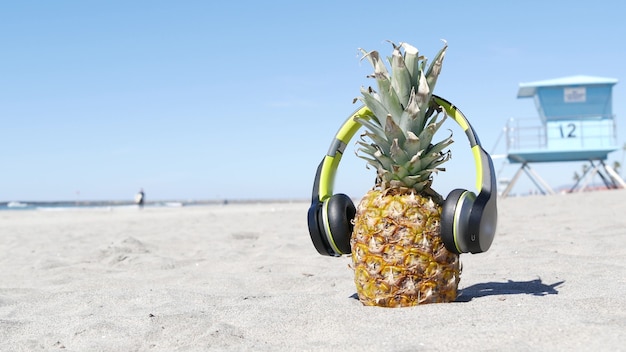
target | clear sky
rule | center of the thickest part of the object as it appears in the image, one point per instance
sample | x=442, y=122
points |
x=240, y=99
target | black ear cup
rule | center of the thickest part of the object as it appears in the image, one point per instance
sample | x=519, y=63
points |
x=314, y=219
x=338, y=222
x=455, y=218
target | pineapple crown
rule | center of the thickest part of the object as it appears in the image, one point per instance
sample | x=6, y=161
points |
x=402, y=119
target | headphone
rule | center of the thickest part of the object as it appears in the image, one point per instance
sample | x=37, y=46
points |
x=468, y=221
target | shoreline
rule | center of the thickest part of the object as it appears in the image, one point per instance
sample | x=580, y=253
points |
x=67, y=205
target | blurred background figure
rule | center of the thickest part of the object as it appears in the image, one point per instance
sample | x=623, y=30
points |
x=140, y=198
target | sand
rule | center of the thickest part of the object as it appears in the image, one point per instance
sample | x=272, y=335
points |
x=245, y=277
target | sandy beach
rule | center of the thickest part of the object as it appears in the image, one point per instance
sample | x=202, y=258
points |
x=245, y=277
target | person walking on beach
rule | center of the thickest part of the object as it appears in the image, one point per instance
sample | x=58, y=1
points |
x=140, y=198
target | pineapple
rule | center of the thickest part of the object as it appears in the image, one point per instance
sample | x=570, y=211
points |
x=398, y=255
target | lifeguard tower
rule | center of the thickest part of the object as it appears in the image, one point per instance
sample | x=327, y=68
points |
x=577, y=124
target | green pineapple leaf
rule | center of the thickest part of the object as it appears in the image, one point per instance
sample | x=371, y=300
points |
x=404, y=119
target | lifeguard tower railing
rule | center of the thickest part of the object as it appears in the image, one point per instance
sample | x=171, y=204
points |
x=588, y=138
x=570, y=133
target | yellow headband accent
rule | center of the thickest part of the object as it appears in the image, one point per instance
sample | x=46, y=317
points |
x=453, y=112
x=478, y=161
x=350, y=127
x=332, y=159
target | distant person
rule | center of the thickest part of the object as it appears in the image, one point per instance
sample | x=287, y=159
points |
x=140, y=198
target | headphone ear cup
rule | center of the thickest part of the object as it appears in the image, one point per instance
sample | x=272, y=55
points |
x=454, y=220
x=340, y=212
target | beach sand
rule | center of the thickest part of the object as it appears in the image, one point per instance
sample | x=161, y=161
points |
x=246, y=277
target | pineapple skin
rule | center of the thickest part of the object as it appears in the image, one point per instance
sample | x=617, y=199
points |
x=398, y=257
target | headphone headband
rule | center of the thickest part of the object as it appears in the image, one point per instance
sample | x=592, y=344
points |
x=324, y=180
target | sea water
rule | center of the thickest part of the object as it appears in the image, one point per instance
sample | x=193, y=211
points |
x=72, y=205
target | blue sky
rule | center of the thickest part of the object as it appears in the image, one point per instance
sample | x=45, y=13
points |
x=240, y=99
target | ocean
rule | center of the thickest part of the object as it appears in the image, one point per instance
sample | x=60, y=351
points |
x=110, y=205
x=73, y=205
